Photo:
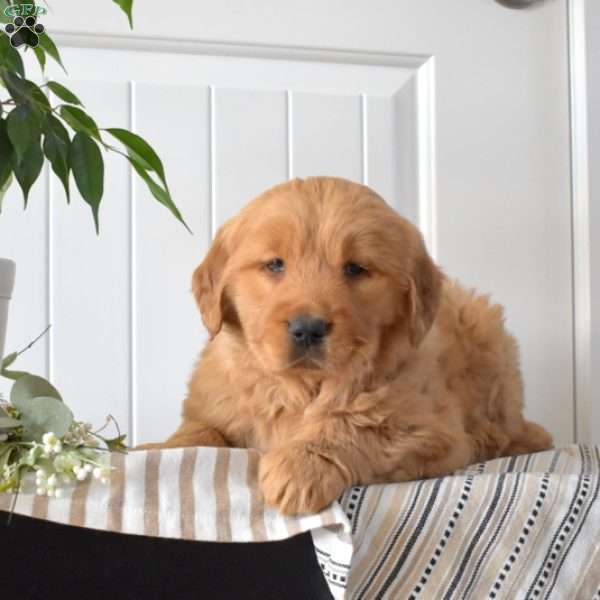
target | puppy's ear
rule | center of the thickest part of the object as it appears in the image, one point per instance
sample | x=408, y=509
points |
x=208, y=283
x=424, y=294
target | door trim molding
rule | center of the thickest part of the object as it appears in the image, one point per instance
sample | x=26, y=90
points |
x=423, y=66
x=580, y=216
x=242, y=50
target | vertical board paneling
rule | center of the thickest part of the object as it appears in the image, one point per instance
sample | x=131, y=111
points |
x=90, y=279
x=250, y=147
x=24, y=238
x=391, y=148
x=326, y=135
x=167, y=331
x=381, y=147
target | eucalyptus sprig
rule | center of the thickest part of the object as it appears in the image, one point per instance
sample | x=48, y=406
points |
x=33, y=130
x=38, y=434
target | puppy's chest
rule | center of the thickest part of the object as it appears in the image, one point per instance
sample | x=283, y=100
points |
x=273, y=422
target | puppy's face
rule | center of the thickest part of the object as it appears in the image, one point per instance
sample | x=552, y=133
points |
x=319, y=275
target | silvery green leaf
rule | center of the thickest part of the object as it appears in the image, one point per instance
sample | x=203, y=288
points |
x=14, y=375
x=8, y=360
x=43, y=415
x=33, y=456
x=5, y=455
x=9, y=423
x=29, y=387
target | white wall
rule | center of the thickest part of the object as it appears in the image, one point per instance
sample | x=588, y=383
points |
x=125, y=330
x=456, y=111
x=593, y=106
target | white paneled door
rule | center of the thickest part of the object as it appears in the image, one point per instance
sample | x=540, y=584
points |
x=456, y=112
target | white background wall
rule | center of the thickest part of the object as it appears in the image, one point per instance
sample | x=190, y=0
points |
x=463, y=126
x=593, y=105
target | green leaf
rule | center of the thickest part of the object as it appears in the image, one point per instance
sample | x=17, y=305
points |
x=116, y=444
x=63, y=93
x=79, y=121
x=23, y=129
x=87, y=165
x=14, y=375
x=4, y=188
x=41, y=57
x=33, y=456
x=29, y=387
x=9, y=57
x=28, y=170
x=56, y=149
x=50, y=48
x=25, y=91
x=126, y=6
x=9, y=423
x=6, y=154
x=5, y=453
x=141, y=151
x=44, y=415
x=8, y=360
x=161, y=194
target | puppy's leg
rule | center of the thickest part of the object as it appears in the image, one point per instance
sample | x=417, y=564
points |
x=534, y=438
x=336, y=452
x=190, y=433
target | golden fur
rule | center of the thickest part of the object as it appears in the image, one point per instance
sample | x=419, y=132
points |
x=417, y=378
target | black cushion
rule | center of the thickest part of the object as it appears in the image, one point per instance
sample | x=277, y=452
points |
x=40, y=559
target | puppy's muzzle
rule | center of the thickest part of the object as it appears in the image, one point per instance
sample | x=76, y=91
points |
x=307, y=332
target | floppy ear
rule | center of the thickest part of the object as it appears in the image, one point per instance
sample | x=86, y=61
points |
x=208, y=283
x=425, y=289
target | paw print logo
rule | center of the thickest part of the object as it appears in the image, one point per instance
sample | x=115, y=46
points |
x=24, y=31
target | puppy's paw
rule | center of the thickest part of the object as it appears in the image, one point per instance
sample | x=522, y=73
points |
x=296, y=479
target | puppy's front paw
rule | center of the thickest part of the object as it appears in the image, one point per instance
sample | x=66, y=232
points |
x=297, y=480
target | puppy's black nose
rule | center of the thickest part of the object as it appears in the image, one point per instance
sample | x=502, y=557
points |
x=308, y=331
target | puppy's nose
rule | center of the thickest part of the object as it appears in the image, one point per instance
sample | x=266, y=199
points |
x=308, y=331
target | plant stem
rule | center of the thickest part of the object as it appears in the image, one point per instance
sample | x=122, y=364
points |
x=34, y=341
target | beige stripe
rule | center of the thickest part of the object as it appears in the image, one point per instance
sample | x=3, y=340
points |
x=39, y=509
x=257, y=513
x=481, y=496
x=589, y=582
x=425, y=546
x=151, y=493
x=186, y=494
x=5, y=501
x=78, y=502
x=364, y=563
x=222, y=495
x=116, y=498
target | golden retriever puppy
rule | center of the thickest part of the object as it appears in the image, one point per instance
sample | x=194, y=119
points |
x=340, y=350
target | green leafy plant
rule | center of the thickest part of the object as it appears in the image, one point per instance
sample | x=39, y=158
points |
x=33, y=131
x=39, y=435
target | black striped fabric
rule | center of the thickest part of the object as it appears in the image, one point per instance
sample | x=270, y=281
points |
x=524, y=527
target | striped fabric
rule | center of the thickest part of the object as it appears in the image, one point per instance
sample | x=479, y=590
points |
x=208, y=494
x=525, y=527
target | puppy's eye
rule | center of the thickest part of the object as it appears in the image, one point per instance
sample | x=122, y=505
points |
x=353, y=270
x=276, y=265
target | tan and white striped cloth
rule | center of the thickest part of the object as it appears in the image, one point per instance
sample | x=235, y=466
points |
x=525, y=527
x=208, y=494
